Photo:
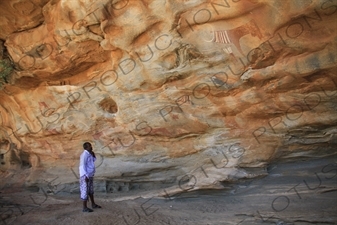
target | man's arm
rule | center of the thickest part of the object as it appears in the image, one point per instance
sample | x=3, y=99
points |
x=83, y=166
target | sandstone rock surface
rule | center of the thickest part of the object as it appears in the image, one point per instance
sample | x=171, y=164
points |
x=175, y=96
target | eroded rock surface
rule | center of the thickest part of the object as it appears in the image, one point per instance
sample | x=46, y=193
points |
x=174, y=95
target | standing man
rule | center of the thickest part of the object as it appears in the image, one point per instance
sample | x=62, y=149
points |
x=87, y=172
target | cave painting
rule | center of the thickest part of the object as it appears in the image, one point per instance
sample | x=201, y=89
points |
x=234, y=35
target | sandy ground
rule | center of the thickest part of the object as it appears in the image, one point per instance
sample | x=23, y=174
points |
x=294, y=193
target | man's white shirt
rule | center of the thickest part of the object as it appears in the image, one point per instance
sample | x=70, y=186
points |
x=87, y=164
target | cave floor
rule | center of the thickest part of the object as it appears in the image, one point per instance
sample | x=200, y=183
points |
x=298, y=193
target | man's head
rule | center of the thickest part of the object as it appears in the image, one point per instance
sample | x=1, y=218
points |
x=87, y=146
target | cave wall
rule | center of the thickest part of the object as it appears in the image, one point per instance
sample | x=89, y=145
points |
x=183, y=95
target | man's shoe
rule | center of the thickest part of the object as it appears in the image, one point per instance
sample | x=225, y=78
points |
x=96, y=206
x=87, y=210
